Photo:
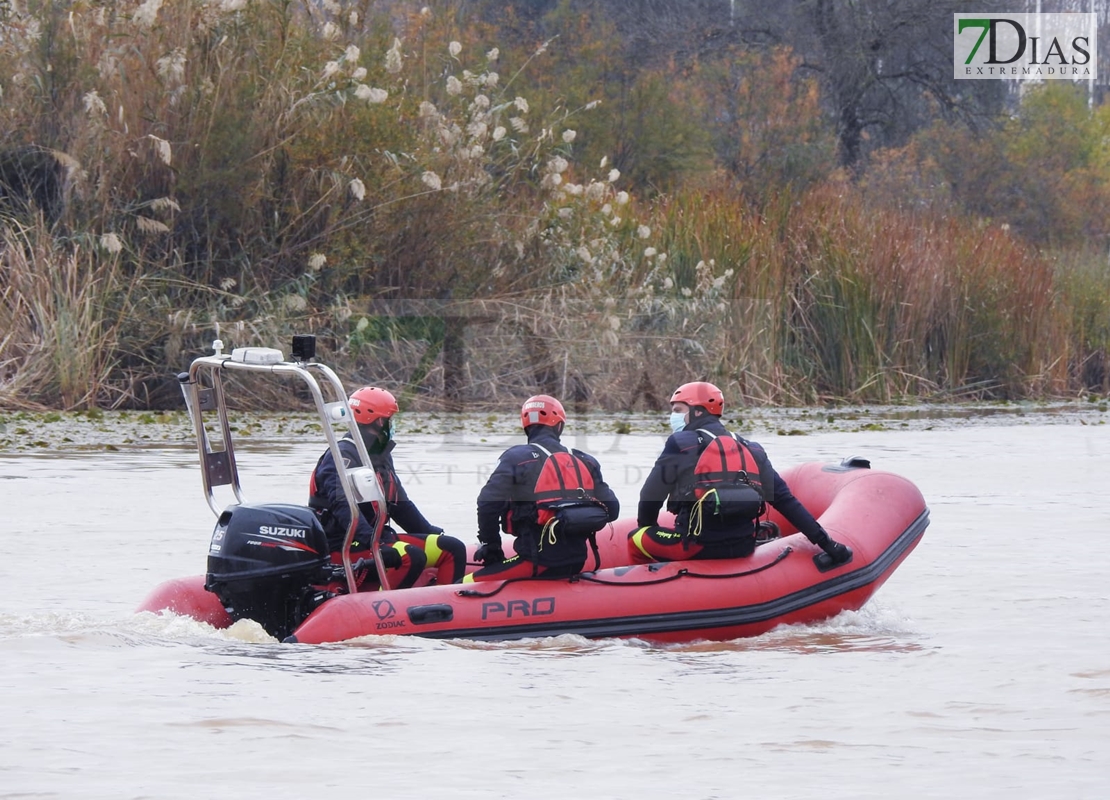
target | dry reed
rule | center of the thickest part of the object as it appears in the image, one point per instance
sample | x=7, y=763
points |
x=260, y=170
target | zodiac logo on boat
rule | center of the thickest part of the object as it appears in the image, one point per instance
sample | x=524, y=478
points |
x=384, y=609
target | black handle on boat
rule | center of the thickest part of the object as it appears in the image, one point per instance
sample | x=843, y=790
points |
x=856, y=462
x=824, y=562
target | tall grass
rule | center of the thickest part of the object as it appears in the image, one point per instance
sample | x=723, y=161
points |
x=61, y=310
x=876, y=305
x=1081, y=278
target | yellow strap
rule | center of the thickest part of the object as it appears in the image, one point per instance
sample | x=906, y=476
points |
x=548, y=533
x=694, y=531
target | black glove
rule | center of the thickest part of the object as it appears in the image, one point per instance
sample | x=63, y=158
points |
x=391, y=559
x=489, y=554
x=361, y=564
x=838, y=553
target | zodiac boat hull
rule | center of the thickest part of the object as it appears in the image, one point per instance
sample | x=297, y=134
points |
x=880, y=515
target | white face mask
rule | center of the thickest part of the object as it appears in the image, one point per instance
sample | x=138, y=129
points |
x=678, y=421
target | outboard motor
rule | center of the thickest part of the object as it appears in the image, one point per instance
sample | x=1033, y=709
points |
x=263, y=562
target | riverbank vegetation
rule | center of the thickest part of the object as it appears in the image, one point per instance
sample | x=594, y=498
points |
x=470, y=205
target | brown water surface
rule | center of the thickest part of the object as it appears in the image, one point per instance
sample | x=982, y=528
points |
x=981, y=669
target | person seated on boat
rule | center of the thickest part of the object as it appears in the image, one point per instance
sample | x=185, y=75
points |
x=419, y=544
x=717, y=485
x=550, y=499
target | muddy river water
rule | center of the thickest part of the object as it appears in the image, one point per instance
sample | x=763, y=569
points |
x=981, y=669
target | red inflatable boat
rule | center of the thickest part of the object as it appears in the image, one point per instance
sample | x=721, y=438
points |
x=880, y=515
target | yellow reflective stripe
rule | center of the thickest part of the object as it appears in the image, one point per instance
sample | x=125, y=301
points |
x=637, y=539
x=399, y=546
x=468, y=578
x=432, y=550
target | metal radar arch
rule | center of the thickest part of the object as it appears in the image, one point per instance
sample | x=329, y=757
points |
x=205, y=399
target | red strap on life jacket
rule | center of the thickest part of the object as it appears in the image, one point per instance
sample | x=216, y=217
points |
x=725, y=460
x=564, y=477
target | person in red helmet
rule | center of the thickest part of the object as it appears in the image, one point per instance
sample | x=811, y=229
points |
x=717, y=485
x=419, y=544
x=550, y=499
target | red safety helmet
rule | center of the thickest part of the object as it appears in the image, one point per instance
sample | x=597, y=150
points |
x=370, y=404
x=542, y=409
x=701, y=394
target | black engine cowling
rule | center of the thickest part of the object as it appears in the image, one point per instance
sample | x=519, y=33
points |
x=265, y=562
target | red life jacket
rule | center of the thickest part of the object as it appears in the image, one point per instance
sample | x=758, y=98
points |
x=564, y=494
x=729, y=484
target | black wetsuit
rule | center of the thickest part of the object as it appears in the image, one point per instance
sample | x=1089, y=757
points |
x=507, y=502
x=420, y=545
x=671, y=481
